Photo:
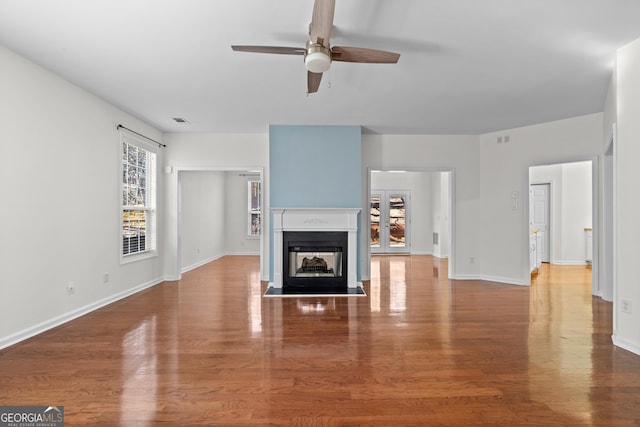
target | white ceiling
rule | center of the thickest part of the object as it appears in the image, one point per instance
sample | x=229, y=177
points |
x=466, y=66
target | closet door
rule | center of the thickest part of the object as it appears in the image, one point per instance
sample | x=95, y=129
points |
x=539, y=215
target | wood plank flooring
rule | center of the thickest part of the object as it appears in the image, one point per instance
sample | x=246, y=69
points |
x=418, y=350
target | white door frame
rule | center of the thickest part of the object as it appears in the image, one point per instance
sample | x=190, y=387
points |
x=175, y=255
x=607, y=287
x=365, y=240
x=595, y=217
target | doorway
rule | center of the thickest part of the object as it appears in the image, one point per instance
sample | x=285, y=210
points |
x=429, y=228
x=561, y=208
x=390, y=221
x=199, y=239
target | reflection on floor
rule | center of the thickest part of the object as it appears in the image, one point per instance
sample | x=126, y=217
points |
x=417, y=350
x=313, y=291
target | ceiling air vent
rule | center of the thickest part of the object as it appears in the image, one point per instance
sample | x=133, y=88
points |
x=180, y=120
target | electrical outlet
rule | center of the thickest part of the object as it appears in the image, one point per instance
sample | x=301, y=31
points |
x=71, y=288
x=626, y=306
x=105, y=278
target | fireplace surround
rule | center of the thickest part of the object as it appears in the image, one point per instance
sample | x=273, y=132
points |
x=327, y=234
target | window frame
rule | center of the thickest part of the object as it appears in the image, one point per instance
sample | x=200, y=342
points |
x=150, y=198
x=251, y=234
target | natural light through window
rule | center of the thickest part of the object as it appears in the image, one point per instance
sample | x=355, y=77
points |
x=254, y=202
x=138, y=197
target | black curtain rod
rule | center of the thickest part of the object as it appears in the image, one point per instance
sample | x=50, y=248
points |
x=139, y=134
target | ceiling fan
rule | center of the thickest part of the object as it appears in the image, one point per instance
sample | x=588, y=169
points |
x=318, y=53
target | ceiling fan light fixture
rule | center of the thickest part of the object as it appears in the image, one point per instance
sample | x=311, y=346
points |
x=317, y=58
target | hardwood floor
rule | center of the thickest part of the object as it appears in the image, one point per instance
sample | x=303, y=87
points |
x=418, y=350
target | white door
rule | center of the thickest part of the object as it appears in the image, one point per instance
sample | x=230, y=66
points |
x=389, y=211
x=539, y=215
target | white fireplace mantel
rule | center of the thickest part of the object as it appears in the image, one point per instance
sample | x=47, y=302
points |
x=316, y=219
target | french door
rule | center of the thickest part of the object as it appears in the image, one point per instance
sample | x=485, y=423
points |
x=389, y=211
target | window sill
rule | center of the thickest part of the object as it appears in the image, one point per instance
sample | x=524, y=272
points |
x=128, y=259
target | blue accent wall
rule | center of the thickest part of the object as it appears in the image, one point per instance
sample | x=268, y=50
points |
x=315, y=166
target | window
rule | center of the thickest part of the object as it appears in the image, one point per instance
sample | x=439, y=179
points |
x=138, y=198
x=254, y=202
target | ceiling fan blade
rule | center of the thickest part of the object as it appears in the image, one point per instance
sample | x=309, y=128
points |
x=313, y=81
x=360, y=54
x=322, y=21
x=271, y=49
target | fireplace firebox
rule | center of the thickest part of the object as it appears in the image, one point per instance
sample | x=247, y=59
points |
x=314, y=261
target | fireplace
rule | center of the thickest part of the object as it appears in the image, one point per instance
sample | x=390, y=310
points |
x=315, y=261
x=326, y=237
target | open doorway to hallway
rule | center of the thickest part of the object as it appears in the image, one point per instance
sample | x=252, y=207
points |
x=219, y=213
x=561, y=214
x=410, y=212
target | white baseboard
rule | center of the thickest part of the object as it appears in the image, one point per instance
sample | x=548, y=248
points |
x=64, y=318
x=201, y=263
x=250, y=253
x=439, y=256
x=620, y=342
x=213, y=258
x=570, y=263
x=505, y=280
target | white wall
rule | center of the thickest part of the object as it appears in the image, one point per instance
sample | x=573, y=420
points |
x=458, y=153
x=627, y=177
x=490, y=238
x=604, y=245
x=237, y=241
x=60, y=219
x=576, y=211
x=202, y=217
x=505, y=169
x=429, y=205
x=570, y=206
x=418, y=184
x=213, y=217
x=211, y=152
x=441, y=213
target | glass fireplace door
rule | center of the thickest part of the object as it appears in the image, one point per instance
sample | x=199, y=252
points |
x=315, y=260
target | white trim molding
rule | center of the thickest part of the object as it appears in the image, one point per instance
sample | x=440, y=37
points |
x=74, y=314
